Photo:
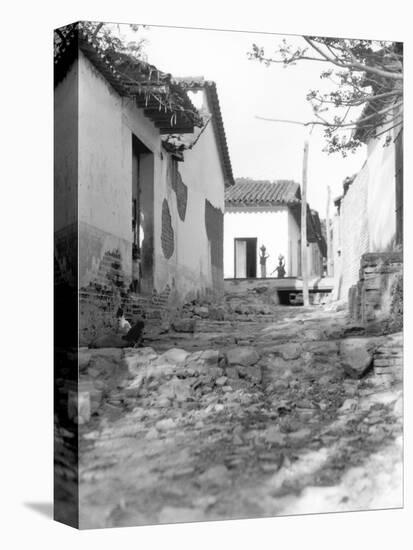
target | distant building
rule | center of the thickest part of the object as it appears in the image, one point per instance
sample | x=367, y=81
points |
x=140, y=175
x=264, y=213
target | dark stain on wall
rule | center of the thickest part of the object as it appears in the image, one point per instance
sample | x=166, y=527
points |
x=167, y=235
x=181, y=190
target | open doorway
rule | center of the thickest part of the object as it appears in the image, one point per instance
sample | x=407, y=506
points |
x=142, y=217
x=245, y=258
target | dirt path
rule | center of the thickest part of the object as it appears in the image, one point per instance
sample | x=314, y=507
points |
x=248, y=417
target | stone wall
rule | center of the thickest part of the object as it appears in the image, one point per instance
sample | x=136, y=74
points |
x=378, y=295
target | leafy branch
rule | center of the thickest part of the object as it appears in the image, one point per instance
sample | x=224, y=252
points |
x=365, y=76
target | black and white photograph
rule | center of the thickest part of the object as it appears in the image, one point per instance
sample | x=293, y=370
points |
x=228, y=274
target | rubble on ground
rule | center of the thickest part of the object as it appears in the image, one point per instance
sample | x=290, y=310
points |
x=248, y=414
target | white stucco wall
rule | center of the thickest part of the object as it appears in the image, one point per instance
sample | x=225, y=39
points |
x=366, y=221
x=106, y=124
x=201, y=171
x=294, y=266
x=269, y=225
x=381, y=203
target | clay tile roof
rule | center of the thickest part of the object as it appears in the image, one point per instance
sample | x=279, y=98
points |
x=249, y=192
x=164, y=102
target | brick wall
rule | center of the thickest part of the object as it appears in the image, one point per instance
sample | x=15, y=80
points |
x=109, y=290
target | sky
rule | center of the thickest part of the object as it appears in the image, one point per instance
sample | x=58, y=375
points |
x=258, y=149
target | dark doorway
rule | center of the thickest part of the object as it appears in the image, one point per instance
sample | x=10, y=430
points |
x=245, y=258
x=142, y=217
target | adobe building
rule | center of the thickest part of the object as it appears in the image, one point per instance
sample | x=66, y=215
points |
x=265, y=213
x=140, y=175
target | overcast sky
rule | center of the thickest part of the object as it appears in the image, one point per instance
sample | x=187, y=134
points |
x=258, y=149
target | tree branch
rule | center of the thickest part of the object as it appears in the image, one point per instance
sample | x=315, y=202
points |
x=355, y=65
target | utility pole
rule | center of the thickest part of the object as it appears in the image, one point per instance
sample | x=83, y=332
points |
x=304, y=266
x=304, y=263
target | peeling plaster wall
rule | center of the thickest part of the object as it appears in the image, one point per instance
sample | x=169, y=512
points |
x=270, y=225
x=106, y=125
x=190, y=271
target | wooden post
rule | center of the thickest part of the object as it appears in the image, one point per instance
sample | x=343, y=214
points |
x=304, y=267
x=328, y=234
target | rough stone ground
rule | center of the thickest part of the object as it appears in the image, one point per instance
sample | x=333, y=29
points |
x=255, y=415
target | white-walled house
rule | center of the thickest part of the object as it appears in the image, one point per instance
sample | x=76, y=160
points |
x=140, y=175
x=264, y=213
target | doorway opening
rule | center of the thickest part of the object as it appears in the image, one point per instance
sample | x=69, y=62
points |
x=142, y=217
x=245, y=258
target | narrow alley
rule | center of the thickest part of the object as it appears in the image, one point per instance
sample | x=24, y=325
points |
x=228, y=295
x=250, y=409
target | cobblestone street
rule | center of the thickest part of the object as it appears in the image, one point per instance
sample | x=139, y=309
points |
x=272, y=410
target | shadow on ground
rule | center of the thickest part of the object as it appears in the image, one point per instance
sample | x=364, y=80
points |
x=43, y=508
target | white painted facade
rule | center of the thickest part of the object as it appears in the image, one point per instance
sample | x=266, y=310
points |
x=106, y=125
x=274, y=227
x=366, y=218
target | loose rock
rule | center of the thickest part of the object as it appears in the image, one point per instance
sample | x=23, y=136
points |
x=241, y=355
x=356, y=356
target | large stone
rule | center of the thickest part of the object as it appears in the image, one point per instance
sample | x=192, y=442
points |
x=175, y=355
x=210, y=356
x=184, y=325
x=215, y=475
x=303, y=433
x=242, y=355
x=201, y=311
x=232, y=372
x=138, y=358
x=273, y=435
x=165, y=424
x=176, y=390
x=252, y=373
x=107, y=368
x=288, y=351
x=216, y=313
x=356, y=356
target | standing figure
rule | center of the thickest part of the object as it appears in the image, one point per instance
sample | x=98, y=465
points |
x=263, y=261
x=280, y=269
